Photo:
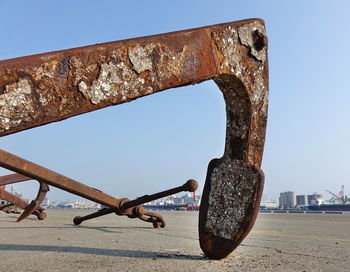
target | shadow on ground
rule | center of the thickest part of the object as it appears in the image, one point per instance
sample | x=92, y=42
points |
x=101, y=251
x=71, y=226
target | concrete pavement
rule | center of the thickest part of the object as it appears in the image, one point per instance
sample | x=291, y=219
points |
x=278, y=242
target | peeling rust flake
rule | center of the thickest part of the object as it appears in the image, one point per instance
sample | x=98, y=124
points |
x=253, y=36
x=136, y=73
x=16, y=104
x=140, y=57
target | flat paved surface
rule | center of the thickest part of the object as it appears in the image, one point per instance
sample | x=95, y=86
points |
x=278, y=242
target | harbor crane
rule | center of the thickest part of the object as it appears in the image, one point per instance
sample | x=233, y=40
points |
x=341, y=197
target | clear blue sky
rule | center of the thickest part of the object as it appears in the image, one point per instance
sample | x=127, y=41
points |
x=162, y=140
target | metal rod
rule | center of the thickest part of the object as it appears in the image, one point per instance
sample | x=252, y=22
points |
x=79, y=219
x=27, y=168
x=190, y=186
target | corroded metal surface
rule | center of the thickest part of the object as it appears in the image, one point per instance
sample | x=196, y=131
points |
x=13, y=178
x=50, y=87
x=34, y=205
x=39, y=89
x=27, y=207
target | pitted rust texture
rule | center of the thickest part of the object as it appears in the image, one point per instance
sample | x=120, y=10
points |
x=232, y=182
x=50, y=87
x=232, y=192
x=17, y=98
x=130, y=73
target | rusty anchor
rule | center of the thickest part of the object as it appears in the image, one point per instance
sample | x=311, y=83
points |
x=34, y=207
x=50, y=87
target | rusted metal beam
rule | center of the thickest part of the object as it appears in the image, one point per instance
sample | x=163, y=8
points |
x=190, y=186
x=37, y=172
x=13, y=199
x=13, y=178
x=50, y=87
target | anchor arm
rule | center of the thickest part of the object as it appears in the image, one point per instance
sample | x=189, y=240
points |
x=31, y=208
x=34, y=205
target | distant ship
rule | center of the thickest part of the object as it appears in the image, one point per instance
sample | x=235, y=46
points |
x=341, y=198
x=329, y=207
x=172, y=207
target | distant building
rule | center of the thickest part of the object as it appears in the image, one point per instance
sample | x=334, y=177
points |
x=15, y=193
x=187, y=198
x=177, y=200
x=301, y=200
x=287, y=200
x=13, y=189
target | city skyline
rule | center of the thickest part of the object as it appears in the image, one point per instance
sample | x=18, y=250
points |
x=327, y=195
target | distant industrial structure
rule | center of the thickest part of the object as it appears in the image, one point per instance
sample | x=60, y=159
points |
x=15, y=193
x=340, y=198
x=287, y=200
x=315, y=199
x=301, y=200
